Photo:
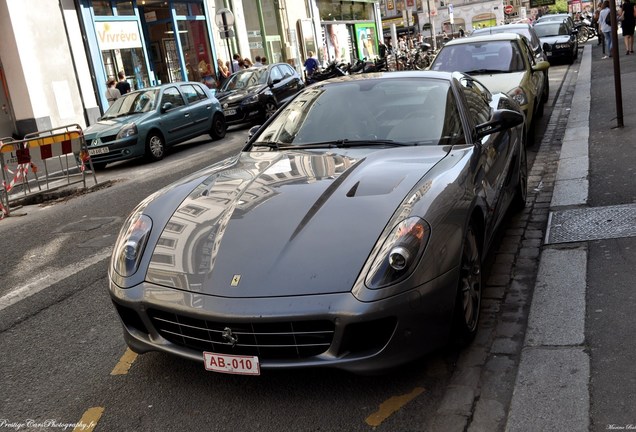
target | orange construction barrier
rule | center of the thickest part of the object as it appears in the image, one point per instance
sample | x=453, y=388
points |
x=64, y=147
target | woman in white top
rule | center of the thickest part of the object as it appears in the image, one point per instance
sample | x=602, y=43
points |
x=112, y=93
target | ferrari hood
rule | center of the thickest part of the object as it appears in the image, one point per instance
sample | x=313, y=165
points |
x=285, y=223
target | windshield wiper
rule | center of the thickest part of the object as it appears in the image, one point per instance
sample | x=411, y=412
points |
x=483, y=71
x=271, y=144
x=344, y=143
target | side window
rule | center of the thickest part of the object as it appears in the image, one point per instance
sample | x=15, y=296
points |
x=190, y=93
x=275, y=74
x=193, y=92
x=287, y=71
x=453, y=130
x=477, y=98
x=172, y=95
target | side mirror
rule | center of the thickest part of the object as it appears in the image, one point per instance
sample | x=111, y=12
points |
x=500, y=120
x=252, y=131
x=166, y=107
x=275, y=81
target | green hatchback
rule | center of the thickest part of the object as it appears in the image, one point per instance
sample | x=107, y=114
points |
x=144, y=123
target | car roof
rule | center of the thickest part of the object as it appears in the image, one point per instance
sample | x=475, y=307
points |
x=487, y=37
x=504, y=26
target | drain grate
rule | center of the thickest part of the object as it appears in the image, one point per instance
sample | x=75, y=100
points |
x=593, y=223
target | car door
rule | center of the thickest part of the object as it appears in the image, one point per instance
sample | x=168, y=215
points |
x=494, y=149
x=175, y=119
x=199, y=108
x=289, y=83
x=277, y=84
x=537, y=78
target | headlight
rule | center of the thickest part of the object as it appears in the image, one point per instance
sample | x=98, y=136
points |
x=518, y=95
x=400, y=253
x=129, y=129
x=250, y=99
x=131, y=244
x=547, y=47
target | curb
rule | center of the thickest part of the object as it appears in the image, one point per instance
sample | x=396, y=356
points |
x=552, y=386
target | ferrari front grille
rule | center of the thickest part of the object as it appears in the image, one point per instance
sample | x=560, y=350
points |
x=267, y=340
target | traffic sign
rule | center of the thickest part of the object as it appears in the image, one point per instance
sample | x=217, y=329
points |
x=508, y=9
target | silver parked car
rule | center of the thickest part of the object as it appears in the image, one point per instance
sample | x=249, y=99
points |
x=349, y=233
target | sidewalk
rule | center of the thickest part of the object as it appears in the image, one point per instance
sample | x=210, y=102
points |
x=576, y=371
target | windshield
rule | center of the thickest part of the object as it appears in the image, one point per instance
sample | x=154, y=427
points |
x=386, y=112
x=551, y=29
x=133, y=103
x=245, y=78
x=480, y=57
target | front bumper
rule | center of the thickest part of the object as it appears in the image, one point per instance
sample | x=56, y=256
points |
x=243, y=113
x=113, y=150
x=363, y=337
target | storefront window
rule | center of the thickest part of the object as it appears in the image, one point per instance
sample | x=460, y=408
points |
x=105, y=7
x=345, y=10
x=123, y=53
x=102, y=8
x=196, y=52
x=125, y=7
x=188, y=9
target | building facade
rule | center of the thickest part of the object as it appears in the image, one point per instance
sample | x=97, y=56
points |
x=57, y=55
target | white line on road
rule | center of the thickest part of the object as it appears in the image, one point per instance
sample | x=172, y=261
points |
x=49, y=279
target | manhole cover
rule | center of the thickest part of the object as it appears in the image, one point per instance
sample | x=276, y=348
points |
x=592, y=224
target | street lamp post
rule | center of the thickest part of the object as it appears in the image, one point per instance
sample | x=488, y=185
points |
x=430, y=22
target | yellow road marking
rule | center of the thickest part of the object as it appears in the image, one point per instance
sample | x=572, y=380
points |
x=125, y=362
x=388, y=407
x=89, y=420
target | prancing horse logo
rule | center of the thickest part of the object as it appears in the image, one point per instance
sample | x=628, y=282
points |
x=228, y=336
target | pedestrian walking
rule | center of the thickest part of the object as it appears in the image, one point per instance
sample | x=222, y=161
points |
x=627, y=25
x=606, y=28
x=122, y=85
x=596, y=22
x=112, y=94
x=311, y=65
x=257, y=61
x=235, y=66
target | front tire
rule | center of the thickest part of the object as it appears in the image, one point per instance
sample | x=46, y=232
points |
x=270, y=109
x=155, y=147
x=468, y=301
x=521, y=193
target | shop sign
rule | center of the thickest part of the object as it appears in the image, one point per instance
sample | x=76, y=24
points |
x=117, y=34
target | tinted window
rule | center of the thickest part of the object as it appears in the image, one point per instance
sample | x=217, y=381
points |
x=275, y=74
x=403, y=110
x=287, y=71
x=172, y=95
x=192, y=93
x=477, y=99
x=476, y=57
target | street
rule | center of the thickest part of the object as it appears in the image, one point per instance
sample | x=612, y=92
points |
x=64, y=360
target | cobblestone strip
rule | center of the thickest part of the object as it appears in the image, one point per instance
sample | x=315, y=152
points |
x=481, y=387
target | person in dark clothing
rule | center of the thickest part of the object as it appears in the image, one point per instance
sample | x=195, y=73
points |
x=627, y=25
x=122, y=84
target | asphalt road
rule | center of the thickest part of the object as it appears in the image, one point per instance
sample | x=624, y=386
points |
x=63, y=356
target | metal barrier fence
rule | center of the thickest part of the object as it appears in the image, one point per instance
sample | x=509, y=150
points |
x=19, y=160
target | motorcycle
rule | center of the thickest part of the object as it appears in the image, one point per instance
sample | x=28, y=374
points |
x=332, y=70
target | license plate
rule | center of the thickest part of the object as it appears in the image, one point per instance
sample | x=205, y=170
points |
x=232, y=364
x=229, y=112
x=97, y=151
